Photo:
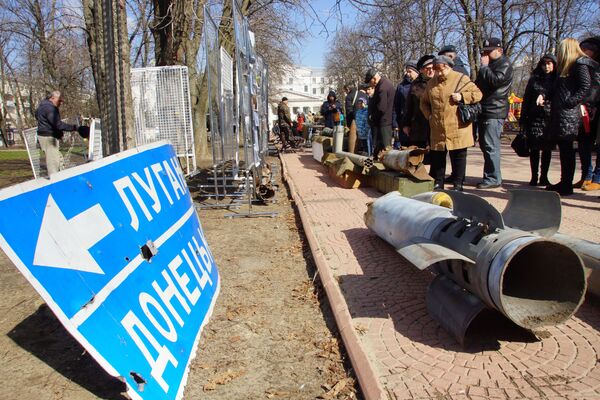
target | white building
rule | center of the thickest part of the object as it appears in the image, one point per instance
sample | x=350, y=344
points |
x=305, y=87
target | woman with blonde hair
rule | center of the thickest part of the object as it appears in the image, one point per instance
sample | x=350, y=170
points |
x=566, y=97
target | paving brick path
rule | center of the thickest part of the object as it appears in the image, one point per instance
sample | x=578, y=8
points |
x=402, y=352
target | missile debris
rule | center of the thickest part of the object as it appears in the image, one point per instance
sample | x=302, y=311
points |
x=357, y=159
x=481, y=261
x=408, y=161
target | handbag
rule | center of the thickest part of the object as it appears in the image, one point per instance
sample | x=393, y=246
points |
x=467, y=113
x=520, y=145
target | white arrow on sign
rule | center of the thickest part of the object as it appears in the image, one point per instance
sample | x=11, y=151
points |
x=65, y=243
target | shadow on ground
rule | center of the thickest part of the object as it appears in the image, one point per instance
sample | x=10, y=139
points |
x=42, y=335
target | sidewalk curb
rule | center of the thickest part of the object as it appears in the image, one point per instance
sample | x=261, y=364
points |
x=369, y=384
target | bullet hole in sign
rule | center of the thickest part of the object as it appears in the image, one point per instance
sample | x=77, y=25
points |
x=148, y=250
x=141, y=382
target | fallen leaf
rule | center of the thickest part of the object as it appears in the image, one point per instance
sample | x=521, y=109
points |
x=222, y=379
x=276, y=393
x=336, y=389
x=361, y=329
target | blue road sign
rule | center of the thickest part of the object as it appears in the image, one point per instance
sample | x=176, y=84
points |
x=117, y=251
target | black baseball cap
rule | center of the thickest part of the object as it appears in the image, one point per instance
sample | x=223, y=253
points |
x=492, y=44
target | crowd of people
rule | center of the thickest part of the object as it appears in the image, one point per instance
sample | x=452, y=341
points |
x=437, y=106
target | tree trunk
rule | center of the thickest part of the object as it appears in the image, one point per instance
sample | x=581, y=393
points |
x=106, y=23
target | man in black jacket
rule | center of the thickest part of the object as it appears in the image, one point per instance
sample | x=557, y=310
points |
x=284, y=119
x=50, y=130
x=411, y=72
x=381, y=108
x=494, y=80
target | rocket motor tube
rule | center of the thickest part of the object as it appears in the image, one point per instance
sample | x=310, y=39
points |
x=338, y=138
x=537, y=282
x=397, y=219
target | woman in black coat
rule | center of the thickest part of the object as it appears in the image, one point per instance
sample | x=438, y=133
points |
x=568, y=93
x=534, y=117
x=590, y=173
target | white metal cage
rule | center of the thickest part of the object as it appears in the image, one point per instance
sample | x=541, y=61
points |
x=162, y=109
x=95, y=141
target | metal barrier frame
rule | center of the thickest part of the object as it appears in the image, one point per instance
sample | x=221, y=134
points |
x=72, y=138
x=183, y=141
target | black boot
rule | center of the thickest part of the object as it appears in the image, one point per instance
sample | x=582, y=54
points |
x=534, y=161
x=546, y=157
x=533, y=181
x=458, y=187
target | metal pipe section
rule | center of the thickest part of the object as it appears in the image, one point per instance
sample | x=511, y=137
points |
x=589, y=251
x=362, y=161
x=402, y=160
x=533, y=281
x=338, y=138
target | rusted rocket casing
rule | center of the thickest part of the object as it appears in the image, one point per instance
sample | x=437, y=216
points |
x=357, y=159
x=409, y=161
x=401, y=160
x=534, y=281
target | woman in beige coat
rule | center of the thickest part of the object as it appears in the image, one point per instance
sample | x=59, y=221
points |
x=440, y=106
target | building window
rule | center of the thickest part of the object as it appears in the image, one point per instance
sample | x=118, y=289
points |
x=314, y=79
x=291, y=89
x=291, y=81
x=322, y=80
x=306, y=88
x=314, y=90
x=322, y=90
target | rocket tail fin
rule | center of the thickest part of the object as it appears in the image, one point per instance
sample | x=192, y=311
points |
x=423, y=253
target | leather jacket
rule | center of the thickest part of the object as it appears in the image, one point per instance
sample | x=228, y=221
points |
x=494, y=81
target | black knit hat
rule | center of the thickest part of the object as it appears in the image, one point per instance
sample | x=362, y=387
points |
x=425, y=60
x=284, y=99
x=447, y=49
x=411, y=64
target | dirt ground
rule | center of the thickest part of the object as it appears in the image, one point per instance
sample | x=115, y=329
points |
x=272, y=334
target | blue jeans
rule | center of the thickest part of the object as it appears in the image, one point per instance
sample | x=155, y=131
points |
x=586, y=148
x=489, y=131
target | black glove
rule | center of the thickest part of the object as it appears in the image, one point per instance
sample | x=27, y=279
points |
x=84, y=131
